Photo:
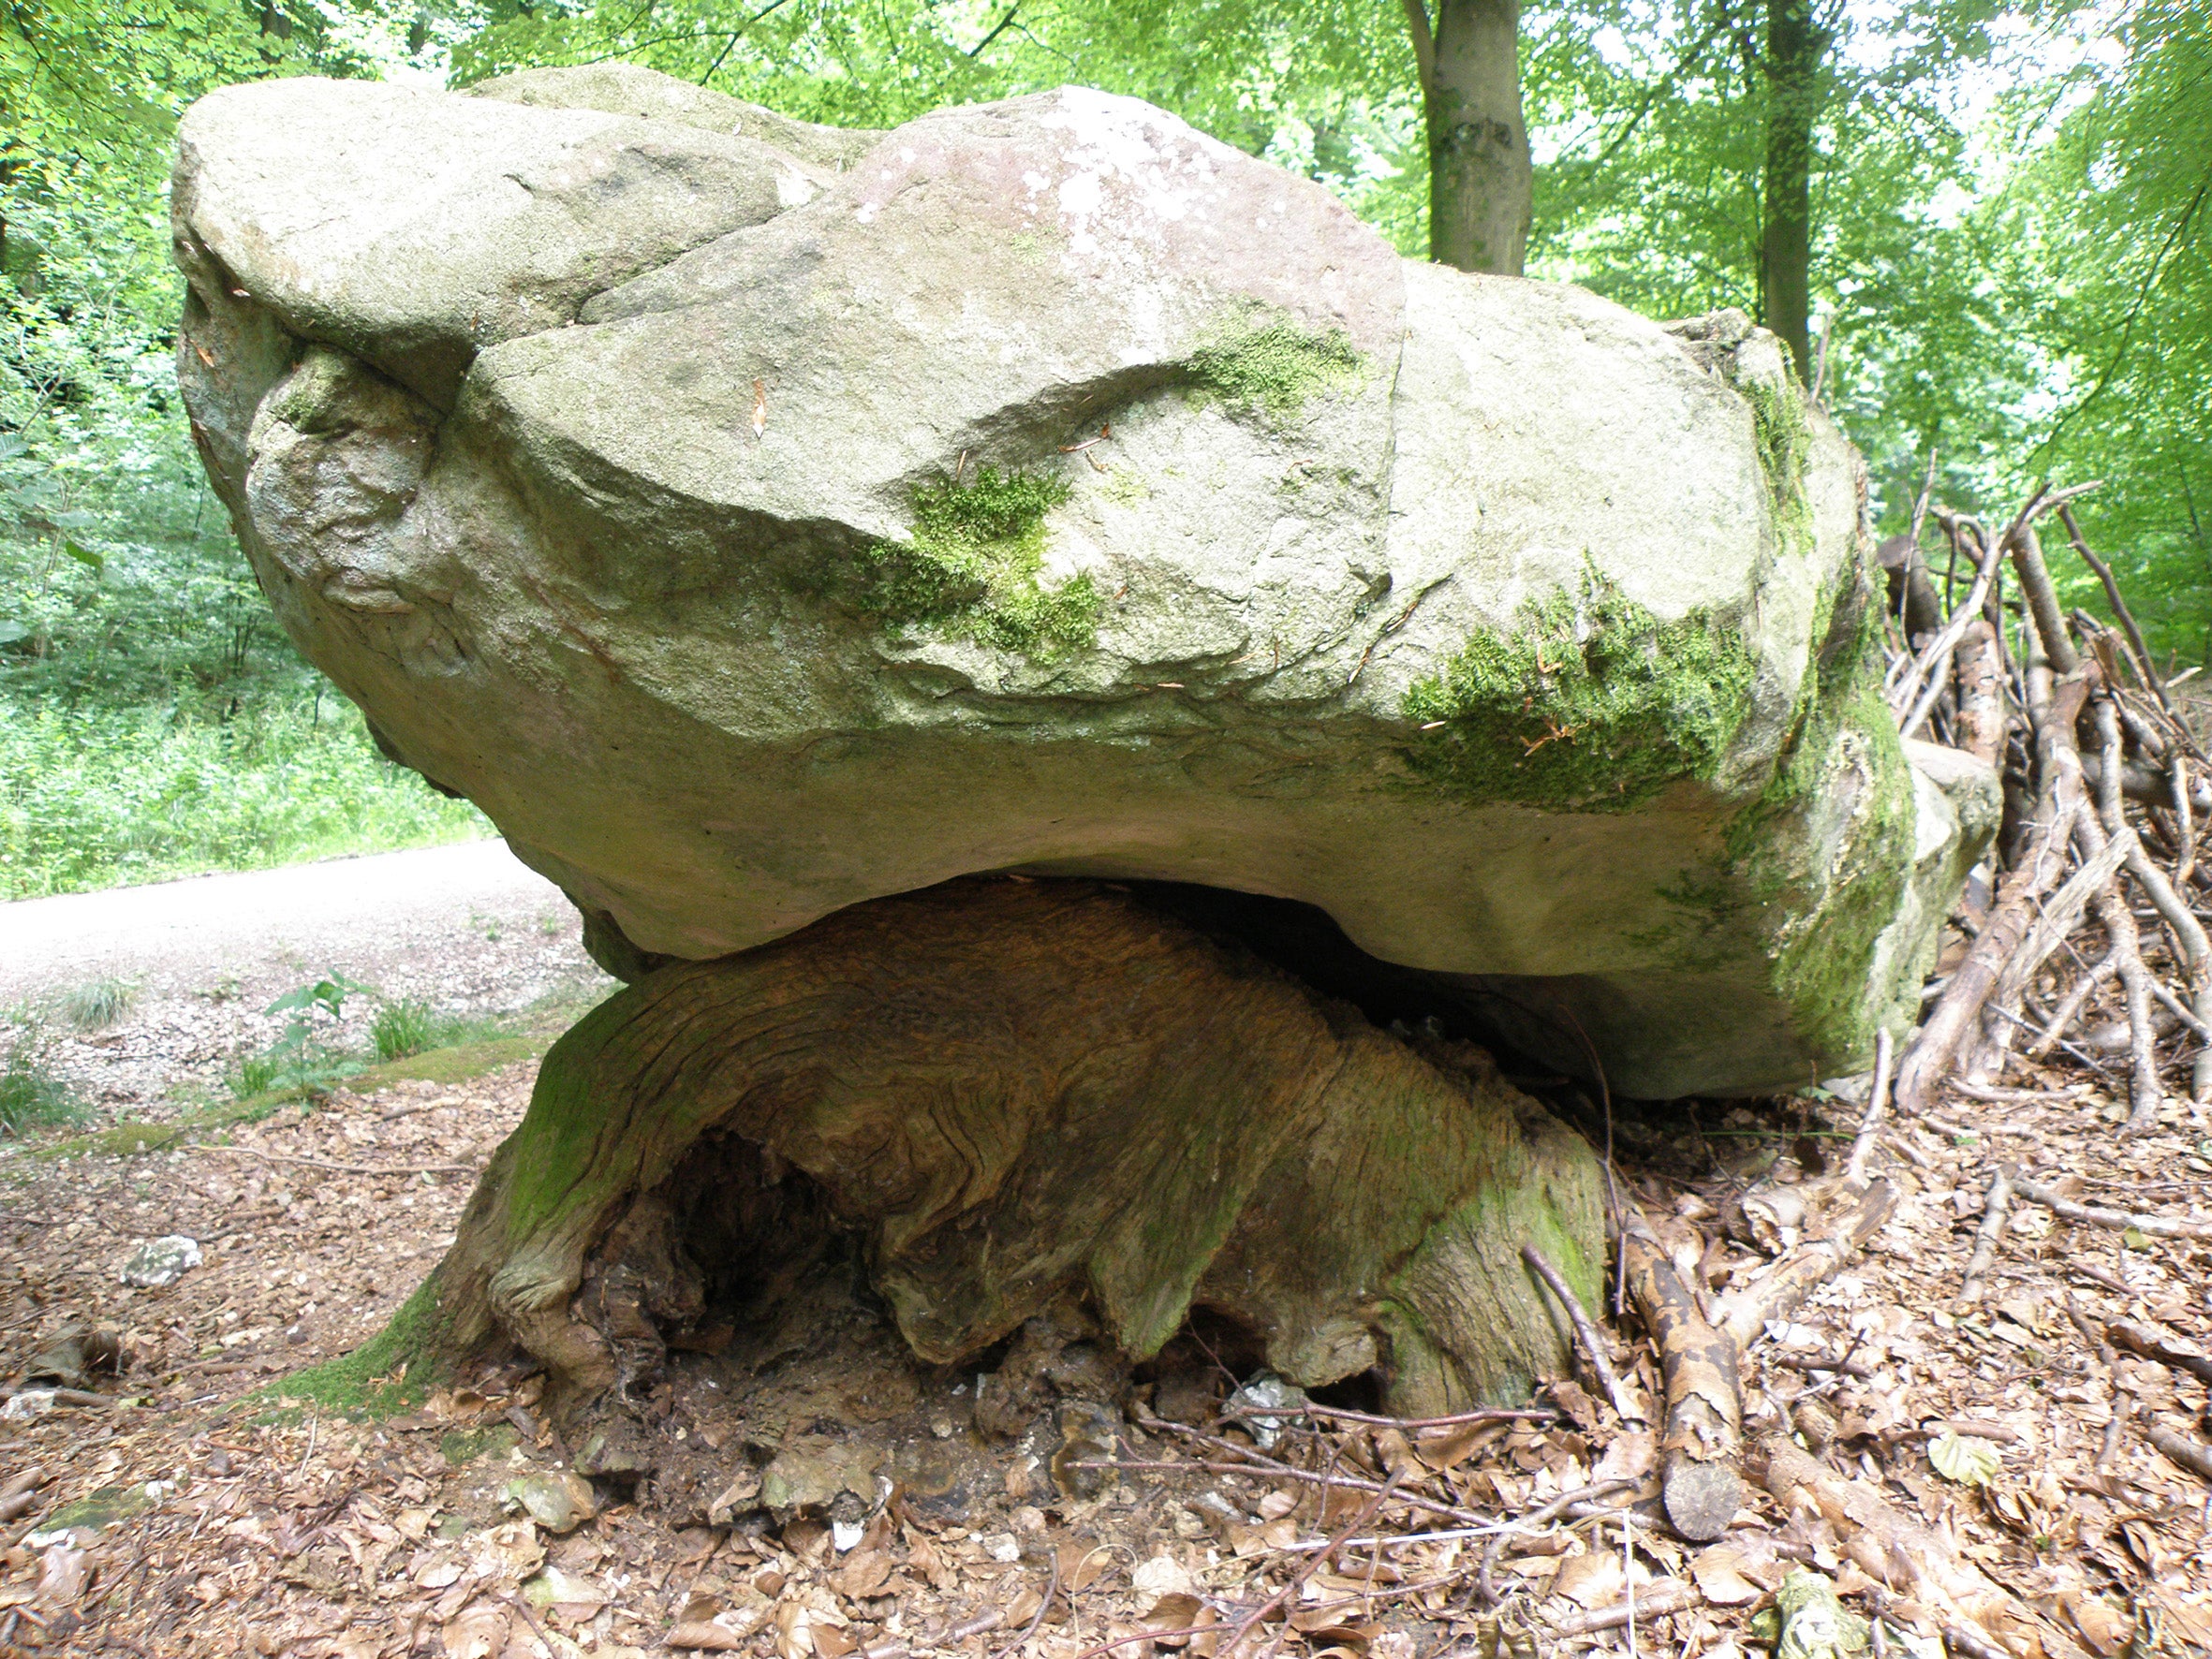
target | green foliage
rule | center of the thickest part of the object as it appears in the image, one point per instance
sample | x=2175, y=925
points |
x=298, y=1060
x=1271, y=368
x=92, y=796
x=971, y=568
x=33, y=1095
x=402, y=1028
x=98, y=1004
x=1588, y=703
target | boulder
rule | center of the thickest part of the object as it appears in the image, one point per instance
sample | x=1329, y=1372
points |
x=756, y=521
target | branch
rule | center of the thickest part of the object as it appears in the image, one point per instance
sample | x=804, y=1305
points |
x=1424, y=42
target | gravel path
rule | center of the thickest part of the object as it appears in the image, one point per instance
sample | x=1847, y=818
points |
x=467, y=929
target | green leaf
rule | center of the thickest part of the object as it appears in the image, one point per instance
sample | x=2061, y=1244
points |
x=1966, y=1460
x=12, y=631
x=84, y=555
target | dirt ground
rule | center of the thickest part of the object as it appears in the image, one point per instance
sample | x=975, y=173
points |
x=467, y=929
x=831, y=1496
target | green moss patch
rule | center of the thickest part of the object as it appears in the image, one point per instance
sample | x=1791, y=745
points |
x=389, y=1372
x=972, y=565
x=1270, y=368
x=1588, y=703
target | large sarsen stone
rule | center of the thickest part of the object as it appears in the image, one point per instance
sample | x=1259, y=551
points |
x=753, y=523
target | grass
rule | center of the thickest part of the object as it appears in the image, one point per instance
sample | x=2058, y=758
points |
x=402, y=1028
x=94, y=796
x=32, y=1096
x=470, y=1048
x=99, y=1005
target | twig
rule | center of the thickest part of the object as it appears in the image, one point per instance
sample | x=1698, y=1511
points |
x=64, y=1396
x=1909, y=694
x=1268, y=1466
x=1775, y=1293
x=2068, y=1010
x=2187, y=932
x=2193, y=1454
x=2156, y=1226
x=1854, y=1169
x=1367, y=1513
x=1043, y=1608
x=1654, y=1601
x=1993, y=1225
x=2041, y=866
x=254, y=1151
x=2153, y=1344
x=1703, y=1431
x=1488, y=1414
x=2120, y=606
x=1484, y=1585
x=1586, y=1333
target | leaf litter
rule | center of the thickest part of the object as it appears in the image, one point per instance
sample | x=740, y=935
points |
x=842, y=1499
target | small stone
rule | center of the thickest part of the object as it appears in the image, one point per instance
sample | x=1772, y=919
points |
x=157, y=1265
x=560, y=1502
x=1002, y=1547
x=1269, y=1393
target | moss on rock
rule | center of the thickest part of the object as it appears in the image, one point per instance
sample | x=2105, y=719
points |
x=1588, y=703
x=1840, y=883
x=971, y=568
x=1270, y=368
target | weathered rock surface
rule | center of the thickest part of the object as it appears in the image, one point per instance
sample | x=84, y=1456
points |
x=1055, y=489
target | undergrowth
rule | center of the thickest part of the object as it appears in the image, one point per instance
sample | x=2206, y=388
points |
x=32, y=1095
x=94, y=797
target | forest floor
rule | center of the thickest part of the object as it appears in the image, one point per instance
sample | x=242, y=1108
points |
x=191, y=1505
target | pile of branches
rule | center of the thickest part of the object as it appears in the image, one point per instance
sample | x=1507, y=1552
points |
x=2100, y=894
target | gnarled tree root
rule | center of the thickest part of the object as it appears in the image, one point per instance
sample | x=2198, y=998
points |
x=1006, y=1090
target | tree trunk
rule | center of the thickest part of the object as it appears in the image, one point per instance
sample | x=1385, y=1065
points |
x=1006, y=1091
x=1795, y=48
x=1480, y=178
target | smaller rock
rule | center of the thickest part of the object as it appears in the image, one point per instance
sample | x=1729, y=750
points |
x=736, y=1497
x=1002, y=1547
x=1266, y=1392
x=560, y=1502
x=27, y=1403
x=161, y=1263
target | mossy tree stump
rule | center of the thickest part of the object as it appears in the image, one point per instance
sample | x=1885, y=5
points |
x=1008, y=1091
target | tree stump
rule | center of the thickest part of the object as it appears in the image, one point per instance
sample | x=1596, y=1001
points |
x=1004, y=1092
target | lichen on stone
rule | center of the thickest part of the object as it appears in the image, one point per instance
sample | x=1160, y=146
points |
x=972, y=568
x=1589, y=702
x=1268, y=366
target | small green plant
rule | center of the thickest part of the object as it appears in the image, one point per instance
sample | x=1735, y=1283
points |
x=401, y=1028
x=32, y=1096
x=97, y=1005
x=296, y=1060
x=255, y=1075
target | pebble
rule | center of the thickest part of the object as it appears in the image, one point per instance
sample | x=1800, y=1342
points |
x=160, y=1263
